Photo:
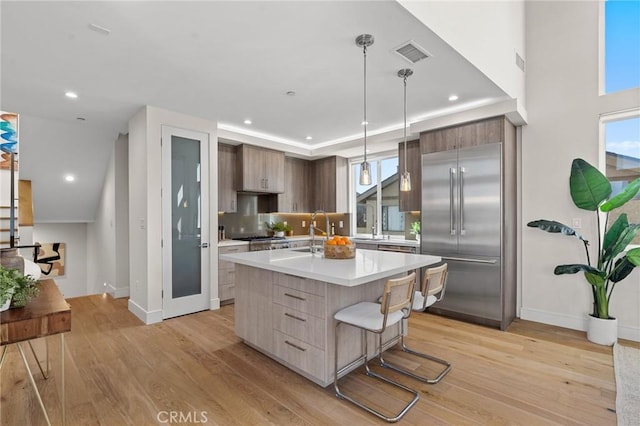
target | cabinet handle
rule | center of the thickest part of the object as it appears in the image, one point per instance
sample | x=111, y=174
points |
x=287, y=314
x=295, y=346
x=295, y=297
x=295, y=276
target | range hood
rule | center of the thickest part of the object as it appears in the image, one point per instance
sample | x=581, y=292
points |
x=250, y=204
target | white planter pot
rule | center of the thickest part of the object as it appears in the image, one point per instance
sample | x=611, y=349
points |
x=6, y=304
x=279, y=233
x=602, y=331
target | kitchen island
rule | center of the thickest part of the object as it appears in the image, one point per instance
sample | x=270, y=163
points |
x=285, y=301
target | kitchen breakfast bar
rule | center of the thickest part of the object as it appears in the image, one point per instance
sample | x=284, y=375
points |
x=285, y=301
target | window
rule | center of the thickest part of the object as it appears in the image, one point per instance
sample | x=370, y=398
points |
x=622, y=146
x=621, y=45
x=378, y=209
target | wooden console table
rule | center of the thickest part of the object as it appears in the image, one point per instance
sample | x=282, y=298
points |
x=43, y=316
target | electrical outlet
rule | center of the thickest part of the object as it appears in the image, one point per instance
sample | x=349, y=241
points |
x=340, y=224
x=285, y=223
x=314, y=223
x=304, y=223
x=576, y=223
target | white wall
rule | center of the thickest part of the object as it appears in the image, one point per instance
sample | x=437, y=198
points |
x=74, y=235
x=145, y=207
x=563, y=108
x=487, y=33
x=107, y=236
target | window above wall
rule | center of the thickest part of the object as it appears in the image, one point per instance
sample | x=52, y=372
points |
x=621, y=45
x=622, y=152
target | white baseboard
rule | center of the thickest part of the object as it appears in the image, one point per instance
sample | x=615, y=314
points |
x=118, y=293
x=573, y=322
x=214, y=304
x=151, y=317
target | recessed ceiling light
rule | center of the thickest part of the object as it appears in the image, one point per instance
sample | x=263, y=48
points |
x=71, y=95
x=69, y=178
x=99, y=29
x=247, y=121
x=453, y=97
x=364, y=122
x=309, y=138
x=291, y=93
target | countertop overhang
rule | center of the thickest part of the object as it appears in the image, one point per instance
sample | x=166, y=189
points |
x=368, y=265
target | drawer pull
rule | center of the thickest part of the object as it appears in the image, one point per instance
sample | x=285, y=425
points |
x=295, y=346
x=294, y=317
x=296, y=297
x=295, y=276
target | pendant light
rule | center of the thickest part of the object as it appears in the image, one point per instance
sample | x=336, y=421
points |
x=405, y=179
x=364, y=41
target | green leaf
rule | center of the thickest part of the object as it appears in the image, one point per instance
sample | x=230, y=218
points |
x=554, y=227
x=633, y=256
x=595, y=279
x=575, y=268
x=621, y=270
x=614, y=231
x=588, y=186
x=621, y=199
x=621, y=243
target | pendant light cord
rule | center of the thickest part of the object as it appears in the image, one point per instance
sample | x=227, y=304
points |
x=364, y=49
x=405, y=124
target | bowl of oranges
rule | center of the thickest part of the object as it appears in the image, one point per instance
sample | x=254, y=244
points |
x=339, y=248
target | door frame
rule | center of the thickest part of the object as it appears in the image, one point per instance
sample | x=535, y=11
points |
x=199, y=302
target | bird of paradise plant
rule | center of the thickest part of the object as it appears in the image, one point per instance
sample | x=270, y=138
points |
x=590, y=190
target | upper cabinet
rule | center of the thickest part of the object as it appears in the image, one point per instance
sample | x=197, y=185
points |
x=465, y=135
x=297, y=192
x=260, y=170
x=330, y=184
x=227, y=196
x=411, y=200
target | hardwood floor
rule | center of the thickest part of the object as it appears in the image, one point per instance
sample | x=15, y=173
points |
x=121, y=372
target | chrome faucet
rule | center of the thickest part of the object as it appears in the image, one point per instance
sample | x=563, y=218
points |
x=312, y=229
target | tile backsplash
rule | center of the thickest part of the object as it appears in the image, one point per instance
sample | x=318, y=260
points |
x=238, y=225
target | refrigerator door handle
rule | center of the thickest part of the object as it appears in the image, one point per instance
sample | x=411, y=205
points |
x=464, y=259
x=461, y=199
x=452, y=228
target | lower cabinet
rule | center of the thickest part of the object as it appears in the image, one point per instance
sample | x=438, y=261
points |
x=227, y=274
x=290, y=319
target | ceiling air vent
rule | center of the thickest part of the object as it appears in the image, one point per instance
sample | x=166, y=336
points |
x=412, y=52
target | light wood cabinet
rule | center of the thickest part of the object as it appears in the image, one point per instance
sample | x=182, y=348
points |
x=330, y=184
x=297, y=186
x=290, y=319
x=366, y=246
x=227, y=273
x=411, y=200
x=227, y=195
x=259, y=169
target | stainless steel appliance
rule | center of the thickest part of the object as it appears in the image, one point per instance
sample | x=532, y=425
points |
x=463, y=222
x=259, y=243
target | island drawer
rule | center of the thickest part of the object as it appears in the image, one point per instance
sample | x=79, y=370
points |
x=227, y=291
x=299, y=354
x=300, y=325
x=303, y=284
x=299, y=300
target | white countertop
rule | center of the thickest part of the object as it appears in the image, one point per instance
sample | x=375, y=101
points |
x=367, y=266
x=395, y=242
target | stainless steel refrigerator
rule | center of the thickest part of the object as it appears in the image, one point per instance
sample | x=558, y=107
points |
x=463, y=219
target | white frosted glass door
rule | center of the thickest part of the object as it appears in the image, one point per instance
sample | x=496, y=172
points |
x=185, y=221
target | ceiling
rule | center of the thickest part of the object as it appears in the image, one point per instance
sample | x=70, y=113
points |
x=223, y=61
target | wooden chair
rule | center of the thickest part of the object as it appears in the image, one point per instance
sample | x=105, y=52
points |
x=369, y=316
x=432, y=290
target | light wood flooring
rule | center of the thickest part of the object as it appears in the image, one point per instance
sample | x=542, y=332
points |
x=121, y=372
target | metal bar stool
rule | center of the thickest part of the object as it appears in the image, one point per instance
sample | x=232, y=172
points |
x=368, y=316
x=432, y=291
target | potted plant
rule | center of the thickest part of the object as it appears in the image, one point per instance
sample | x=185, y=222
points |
x=24, y=287
x=7, y=288
x=278, y=228
x=591, y=190
x=415, y=229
